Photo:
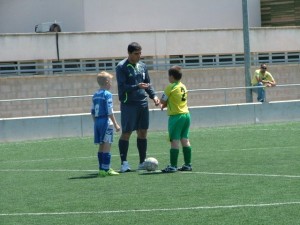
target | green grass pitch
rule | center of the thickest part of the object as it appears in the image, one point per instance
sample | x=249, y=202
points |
x=241, y=175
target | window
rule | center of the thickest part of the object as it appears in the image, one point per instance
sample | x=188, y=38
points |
x=105, y=65
x=176, y=60
x=278, y=57
x=192, y=61
x=208, y=60
x=57, y=66
x=293, y=57
x=8, y=67
x=148, y=60
x=72, y=65
x=239, y=59
x=89, y=65
x=225, y=60
x=263, y=58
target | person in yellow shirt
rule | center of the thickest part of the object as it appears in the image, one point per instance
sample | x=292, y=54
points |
x=175, y=99
x=262, y=79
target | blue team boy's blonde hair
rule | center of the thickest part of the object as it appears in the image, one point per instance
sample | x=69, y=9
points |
x=103, y=77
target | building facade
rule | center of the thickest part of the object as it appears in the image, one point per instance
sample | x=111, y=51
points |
x=17, y=16
x=280, y=13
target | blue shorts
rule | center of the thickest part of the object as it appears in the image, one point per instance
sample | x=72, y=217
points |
x=103, y=132
x=134, y=117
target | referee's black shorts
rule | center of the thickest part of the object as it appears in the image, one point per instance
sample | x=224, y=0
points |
x=134, y=117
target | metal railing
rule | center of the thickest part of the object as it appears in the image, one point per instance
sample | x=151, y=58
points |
x=220, y=92
x=226, y=90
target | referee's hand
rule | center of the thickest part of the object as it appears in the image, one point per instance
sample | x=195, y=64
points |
x=143, y=85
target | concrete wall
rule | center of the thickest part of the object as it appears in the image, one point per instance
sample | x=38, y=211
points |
x=168, y=14
x=21, y=16
x=75, y=85
x=35, y=128
x=129, y=15
x=93, y=45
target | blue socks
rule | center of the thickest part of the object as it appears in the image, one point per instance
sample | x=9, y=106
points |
x=104, y=160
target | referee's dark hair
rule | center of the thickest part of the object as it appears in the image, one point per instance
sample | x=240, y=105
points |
x=134, y=46
x=175, y=71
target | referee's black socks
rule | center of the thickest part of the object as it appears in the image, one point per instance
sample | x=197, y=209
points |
x=142, y=147
x=123, y=150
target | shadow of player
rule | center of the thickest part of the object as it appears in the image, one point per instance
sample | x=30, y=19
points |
x=88, y=176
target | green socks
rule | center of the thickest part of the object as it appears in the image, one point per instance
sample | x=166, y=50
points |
x=174, y=157
x=187, y=155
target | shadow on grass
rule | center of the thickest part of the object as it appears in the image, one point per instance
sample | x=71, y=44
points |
x=88, y=176
x=152, y=172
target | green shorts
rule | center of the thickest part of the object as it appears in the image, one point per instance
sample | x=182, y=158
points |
x=179, y=126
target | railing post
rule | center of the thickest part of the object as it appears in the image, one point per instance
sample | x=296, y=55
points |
x=46, y=106
x=247, y=51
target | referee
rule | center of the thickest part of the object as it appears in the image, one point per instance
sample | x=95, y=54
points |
x=133, y=87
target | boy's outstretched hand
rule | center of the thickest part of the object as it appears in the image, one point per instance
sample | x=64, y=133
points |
x=156, y=101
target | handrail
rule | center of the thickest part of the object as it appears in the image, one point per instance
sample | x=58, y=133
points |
x=192, y=90
x=47, y=102
x=45, y=98
x=237, y=88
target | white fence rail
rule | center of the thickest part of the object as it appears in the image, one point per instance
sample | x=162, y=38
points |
x=81, y=125
x=223, y=92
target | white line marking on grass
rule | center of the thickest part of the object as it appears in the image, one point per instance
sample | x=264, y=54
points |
x=43, y=160
x=248, y=174
x=66, y=159
x=153, y=210
x=251, y=149
x=205, y=173
x=45, y=170
x=44, y=141
x=238, y=128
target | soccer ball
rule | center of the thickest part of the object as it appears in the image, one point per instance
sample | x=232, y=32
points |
x=151, y=164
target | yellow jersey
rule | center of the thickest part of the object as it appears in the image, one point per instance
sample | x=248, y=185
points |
x=175, y=95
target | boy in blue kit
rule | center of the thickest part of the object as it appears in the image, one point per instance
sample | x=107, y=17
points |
x=104, y=121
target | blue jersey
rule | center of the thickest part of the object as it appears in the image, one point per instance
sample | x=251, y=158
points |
x=128, y=78
x=102, y=105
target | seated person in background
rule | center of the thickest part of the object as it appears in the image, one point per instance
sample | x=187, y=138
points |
x=262, y=78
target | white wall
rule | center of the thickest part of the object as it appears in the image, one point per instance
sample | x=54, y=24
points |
x=34, y=128
x=21, y=16
x=115, y=15
x=89, y=45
